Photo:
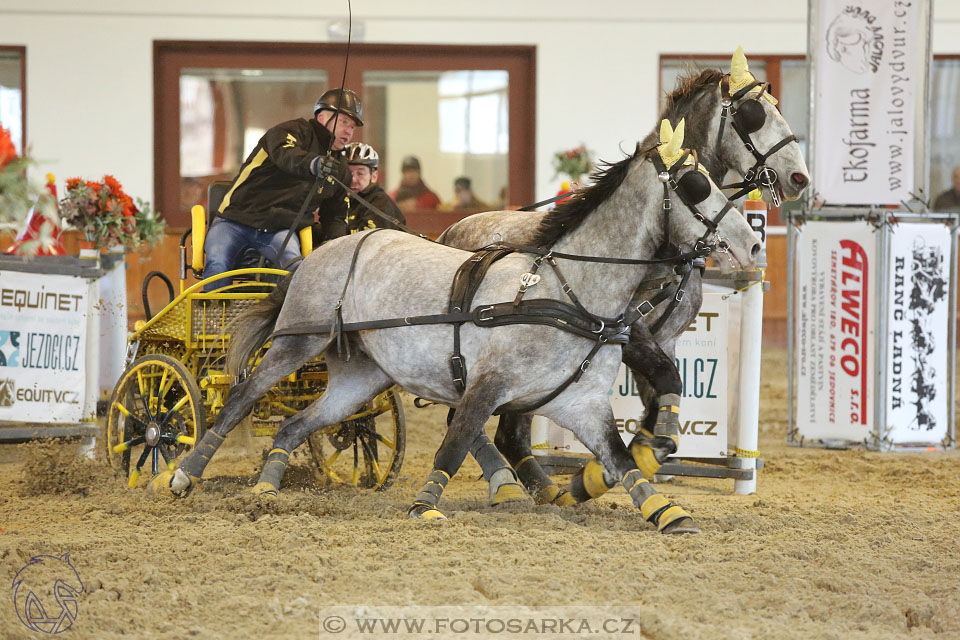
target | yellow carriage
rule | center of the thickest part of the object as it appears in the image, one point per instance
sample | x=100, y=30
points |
x=173, y=384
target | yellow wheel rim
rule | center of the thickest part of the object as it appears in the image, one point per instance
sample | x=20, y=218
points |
x=155, y=415
x=365, y=451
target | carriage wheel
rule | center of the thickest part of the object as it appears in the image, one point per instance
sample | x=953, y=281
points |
x=156, y=415
x=365, y=451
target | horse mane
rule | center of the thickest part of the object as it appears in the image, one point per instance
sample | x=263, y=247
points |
x=607, y=179
x=569, y=215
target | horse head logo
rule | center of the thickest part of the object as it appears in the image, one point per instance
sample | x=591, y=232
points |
x=45, y=593
x=850, y=39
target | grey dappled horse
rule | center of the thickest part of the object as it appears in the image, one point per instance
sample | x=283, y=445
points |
x=397, y=275
x=649, y=356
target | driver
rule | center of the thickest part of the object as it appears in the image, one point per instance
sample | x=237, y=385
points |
x=274, y=181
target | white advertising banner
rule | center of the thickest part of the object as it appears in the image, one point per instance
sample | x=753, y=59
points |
x=707, y=363
x=917, y=334
x=836, y=332
x=870, y=83
x=43, y=329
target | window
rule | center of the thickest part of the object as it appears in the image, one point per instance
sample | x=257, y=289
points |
x=463, y=110
x=12, y=93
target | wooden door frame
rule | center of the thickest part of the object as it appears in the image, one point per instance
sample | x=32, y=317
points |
x=170, y=56
x=22, y=50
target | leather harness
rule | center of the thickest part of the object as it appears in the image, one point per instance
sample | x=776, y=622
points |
x=571, y=317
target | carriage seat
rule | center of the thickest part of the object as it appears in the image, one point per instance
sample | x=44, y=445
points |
x=203, y=218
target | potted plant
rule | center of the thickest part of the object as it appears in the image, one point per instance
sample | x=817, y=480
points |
x=21, y=198
x=574, y=162
x=108, y=217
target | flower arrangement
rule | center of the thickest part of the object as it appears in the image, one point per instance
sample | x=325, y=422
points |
x=21, y=197
x=108, y=216
x=573, y=162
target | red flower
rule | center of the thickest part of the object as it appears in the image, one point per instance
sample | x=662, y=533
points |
x=7, y=151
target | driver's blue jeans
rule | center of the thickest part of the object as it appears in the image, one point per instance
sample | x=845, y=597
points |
x=226, y=241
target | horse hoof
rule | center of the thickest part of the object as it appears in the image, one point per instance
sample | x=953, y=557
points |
x=160, y=485
x=265, y=489
x=547, y=494
x=681, y=525
x=564, y=499
x=510, y=492
x=425, y=512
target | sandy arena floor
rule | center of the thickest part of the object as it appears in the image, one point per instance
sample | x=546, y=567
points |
x=836, y=544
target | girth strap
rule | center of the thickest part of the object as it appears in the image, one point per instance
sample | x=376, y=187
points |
x=465, y=284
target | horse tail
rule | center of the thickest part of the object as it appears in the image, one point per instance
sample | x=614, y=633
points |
x=253, y=326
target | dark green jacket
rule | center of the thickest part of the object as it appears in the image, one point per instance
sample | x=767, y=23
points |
x=275, y=179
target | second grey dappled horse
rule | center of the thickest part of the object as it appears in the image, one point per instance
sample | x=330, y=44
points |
x=652, y=348
x=396, y=275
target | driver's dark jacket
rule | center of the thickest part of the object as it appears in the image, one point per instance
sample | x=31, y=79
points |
x=360, y=217
x=275, y=179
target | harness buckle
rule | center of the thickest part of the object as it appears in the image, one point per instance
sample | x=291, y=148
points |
x=749, y=146
x=666, y=204
x=603, y=326
x=679, y=295
x=481, y=317
x=645, y=312
x=584, y=366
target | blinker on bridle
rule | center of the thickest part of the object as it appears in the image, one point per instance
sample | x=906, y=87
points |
x=749, y=116
x=692, y=188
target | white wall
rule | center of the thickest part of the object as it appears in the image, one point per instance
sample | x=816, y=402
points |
x=90, y=73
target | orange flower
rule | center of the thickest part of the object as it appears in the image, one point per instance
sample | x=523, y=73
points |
x=7, y=151
x=73, y=183
x=94, y=186
x=114, y=185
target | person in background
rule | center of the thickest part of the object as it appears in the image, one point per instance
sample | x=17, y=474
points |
x=463, y=197
x=949, y=200
x=274, y=181
x=412, y=192
x=364, y=163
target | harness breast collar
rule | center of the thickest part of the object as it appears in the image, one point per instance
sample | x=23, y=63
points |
x=759, y=175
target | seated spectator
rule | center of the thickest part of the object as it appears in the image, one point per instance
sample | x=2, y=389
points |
x=364, y=163
x=412, y=192
x=463, y=197
x=949, y=200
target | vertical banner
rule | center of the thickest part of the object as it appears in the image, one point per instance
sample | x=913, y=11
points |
x=836, y=330
x=702, y=361
x=43, y=332
x=917, y=337
x=870, y=66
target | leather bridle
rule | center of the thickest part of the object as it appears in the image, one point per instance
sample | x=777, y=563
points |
x=759, y=175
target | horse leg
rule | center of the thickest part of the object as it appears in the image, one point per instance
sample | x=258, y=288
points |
x=350, y=384
x=513, y=441
x=501, y=477
x=596, y=428
x=285, y=355
x=660, y=385
x=465, y=432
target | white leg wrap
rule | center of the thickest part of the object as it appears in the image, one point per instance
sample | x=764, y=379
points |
x=180, y=481
x=500, y=477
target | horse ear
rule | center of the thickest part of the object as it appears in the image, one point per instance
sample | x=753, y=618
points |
x=738, y=67
x=666, y=131
x=670, y=142
x=677, y=142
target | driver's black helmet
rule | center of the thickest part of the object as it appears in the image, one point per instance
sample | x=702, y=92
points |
x=349, y=105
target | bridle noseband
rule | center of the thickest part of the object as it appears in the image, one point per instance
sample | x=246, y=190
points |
x=749, y=117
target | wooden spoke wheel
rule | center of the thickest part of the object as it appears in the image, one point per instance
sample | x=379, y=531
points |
x=365, y=451
x=156, y=415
